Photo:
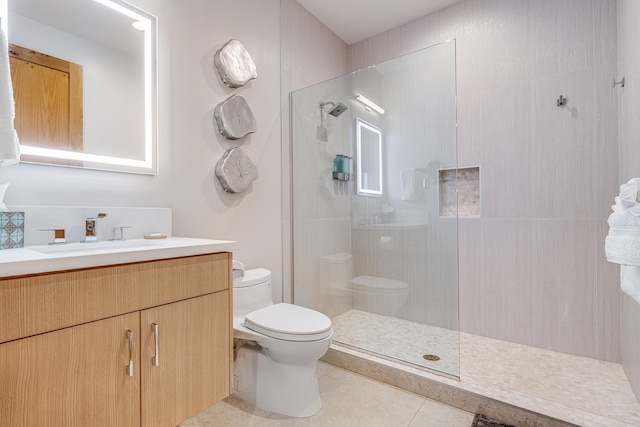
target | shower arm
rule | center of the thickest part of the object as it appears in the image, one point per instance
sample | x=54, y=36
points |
x=322, y=104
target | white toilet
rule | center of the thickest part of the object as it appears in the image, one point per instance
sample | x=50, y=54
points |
x=378, y=295
x=276, y=348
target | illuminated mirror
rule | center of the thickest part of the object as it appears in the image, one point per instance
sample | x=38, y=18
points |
x=369, y=153
x=111, y=45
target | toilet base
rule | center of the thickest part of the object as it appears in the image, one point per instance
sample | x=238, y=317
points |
x=290, y=390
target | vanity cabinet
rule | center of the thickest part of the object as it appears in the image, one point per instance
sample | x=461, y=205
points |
x=190, y=370
x=71, y=377
x=128, y=345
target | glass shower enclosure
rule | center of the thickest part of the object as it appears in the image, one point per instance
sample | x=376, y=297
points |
x=374, y=207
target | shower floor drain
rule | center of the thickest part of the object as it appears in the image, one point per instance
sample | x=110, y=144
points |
x=431, y=357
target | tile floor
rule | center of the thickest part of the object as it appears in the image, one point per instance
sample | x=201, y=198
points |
x=579, y=390
x=400, y=339
x=348, y=400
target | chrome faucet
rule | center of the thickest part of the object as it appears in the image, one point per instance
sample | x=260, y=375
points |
x=117, y=233
x=58, y=235
x=91, y=228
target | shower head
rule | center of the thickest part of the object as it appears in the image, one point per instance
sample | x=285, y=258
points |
x=337, y=109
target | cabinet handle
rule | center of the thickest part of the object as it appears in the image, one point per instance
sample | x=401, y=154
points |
x=129, y=368
x=155, y=360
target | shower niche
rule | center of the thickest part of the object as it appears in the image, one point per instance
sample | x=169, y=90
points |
x=459, y=192
x=387, y=219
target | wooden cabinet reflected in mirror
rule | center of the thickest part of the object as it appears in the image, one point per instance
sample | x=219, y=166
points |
x=49, y=104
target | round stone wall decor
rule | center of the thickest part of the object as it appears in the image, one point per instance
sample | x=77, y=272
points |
x=234, y=64
x=234, y=118
x=235, y=171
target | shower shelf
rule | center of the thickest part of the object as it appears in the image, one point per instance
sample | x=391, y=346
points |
x=340, y=176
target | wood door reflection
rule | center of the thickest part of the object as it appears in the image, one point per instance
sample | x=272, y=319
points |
x=48, y=98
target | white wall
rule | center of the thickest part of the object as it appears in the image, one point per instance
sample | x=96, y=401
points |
x=532, y=268
x=190, y=32
x=629, y=127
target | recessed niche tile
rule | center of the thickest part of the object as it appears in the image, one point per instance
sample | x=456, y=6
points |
x=460, y=192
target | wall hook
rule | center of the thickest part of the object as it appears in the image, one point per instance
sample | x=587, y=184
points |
x=615, y=83
x=561, y=101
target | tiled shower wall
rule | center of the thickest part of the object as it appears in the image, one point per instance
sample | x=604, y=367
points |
x=532, y=267
x=311, y=53
x=629, y=109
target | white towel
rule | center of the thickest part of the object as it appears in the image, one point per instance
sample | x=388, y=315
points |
x=627, y=201
x=407, y=184
x=622, y=244
x=630, y=280
x=9, y=145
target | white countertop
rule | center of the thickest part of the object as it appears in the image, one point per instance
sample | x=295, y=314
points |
x=69, y=256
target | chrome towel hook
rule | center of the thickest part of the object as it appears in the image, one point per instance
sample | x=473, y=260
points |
x=561, y=101
x=615, y=83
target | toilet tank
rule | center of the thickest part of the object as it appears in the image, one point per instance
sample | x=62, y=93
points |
x=252, y=291
x=335, y=272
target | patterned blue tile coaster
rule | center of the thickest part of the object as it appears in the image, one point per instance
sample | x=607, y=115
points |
x=11, y=230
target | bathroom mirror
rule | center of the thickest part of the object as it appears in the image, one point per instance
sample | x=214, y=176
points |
x=114, y=44
x=369, y=153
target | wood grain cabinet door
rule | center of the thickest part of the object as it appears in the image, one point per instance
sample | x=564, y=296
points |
x=190, y=370
x=73, y=377
x=48, y=94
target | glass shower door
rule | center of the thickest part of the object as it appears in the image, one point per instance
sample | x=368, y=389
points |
x=375, y=208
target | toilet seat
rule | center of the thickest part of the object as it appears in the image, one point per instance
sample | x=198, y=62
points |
x=289, y=322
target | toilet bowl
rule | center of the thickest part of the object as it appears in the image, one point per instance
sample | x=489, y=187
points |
x=276, y=348
x=373, y=294
x=378, y=294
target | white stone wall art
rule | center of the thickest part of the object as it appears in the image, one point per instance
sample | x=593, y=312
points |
x=234, y=64
x=234, y=117
x=235, y=171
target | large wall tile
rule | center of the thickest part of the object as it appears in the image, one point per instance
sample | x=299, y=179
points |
x=605, y=185
x=563, y=295
x=504, y=133
x=562, y=147
x=630, y=338
x=497, y=278
x=628, y=36
x=608, y=300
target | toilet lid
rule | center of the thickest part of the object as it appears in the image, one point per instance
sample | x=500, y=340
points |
x=289, y=322
x=377, y=284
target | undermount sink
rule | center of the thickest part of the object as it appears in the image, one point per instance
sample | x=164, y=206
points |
x=103, y=246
